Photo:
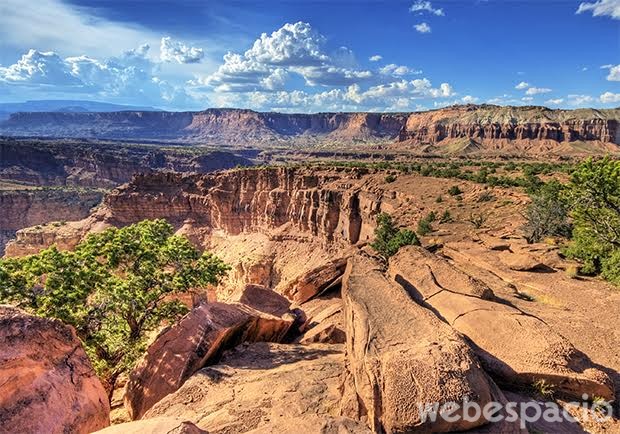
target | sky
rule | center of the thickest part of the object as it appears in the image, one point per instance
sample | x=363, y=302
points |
x=312, y=56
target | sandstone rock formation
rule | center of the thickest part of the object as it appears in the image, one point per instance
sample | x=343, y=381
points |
x=265, y=388
x=515, y=348
x=29, y=207
x=47, y=383
x=316, y=281
x=156, y=425
x=324, y=321
x=400, y=355
x=531, y=129
x=196, y=340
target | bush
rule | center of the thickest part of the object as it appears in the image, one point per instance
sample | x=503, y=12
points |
x=116, y=288
x=478, y=219
x=485, y=196
x=446, y=217
x=390, y=178
x=547, y=214
x=439, y=199
x=389, y=239
x=594, y=198
x=454, y=190
x=424, y=227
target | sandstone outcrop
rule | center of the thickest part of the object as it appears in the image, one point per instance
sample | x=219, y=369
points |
x=47, y=384
x=324, y=321
x=196, y=340
x=315, y=281
x=515, y=348
x=289, y=389
x=400, y=355
x=156, y=425
x=486, y=125
x=262, y=299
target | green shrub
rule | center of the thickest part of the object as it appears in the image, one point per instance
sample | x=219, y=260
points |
x=594, y=200
x=439, y=199
x=446, y=217
x=547, y=214
x=390, y=178
x=389, y=239
x=115, y=288
x=454, y=190
x=424, y=225
x=478, y=219
x=486, y=196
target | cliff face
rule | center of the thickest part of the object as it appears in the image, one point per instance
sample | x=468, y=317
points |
x=492, y=123
x=99, y=165
x=482, y=123
x=21, y=209
x=321, y=204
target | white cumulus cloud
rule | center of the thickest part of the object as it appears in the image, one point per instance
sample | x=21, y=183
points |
x=600, y=8
x=522, y=85
x=375, y=58
x=614, y=72
x=422, y=27
x=609, y=98
x=537, y=90
x=422, y=6
x=580, y=100
x=397, y=70
x=555, y=101
x=174, y=51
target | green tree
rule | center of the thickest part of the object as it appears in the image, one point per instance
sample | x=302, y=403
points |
x=389, y=239
x=115, y=288
x=594, y=195
x=547, y=213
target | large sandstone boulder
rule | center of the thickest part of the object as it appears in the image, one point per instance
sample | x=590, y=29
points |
x=315, y=281
x=324, y=321
x=515, y=348
x=196, y=340
x=262, y=299
x=156, y=425
x=47, y=384
x=265, y=388
x=400, y=356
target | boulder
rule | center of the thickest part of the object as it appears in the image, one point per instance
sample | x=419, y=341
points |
x=265, y=388
x=196, y=340
x=522, y=261
x=316, y=281
x=401, y=356
x=514, y=347
x=262, y=299
x=47, y=383
x=325, y=322
x=156, y=425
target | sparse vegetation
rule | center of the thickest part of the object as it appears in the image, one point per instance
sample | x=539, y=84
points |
x=455, y=190
x=389, y=239
x=478, y=219
x=115, y=288
x=594, y=198
x=543, y=389
x=425, y=226
x=446, y=217
x=547, y=214
x=486, y=196
x=439, y=199
x=390, y=178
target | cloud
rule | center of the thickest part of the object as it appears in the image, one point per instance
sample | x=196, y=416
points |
x=522, y=85
x=537, y=90
x=174, y=51
x=422, y=27
x=601, y=8
x=580, y=100
x=53, y=23
x=426, y=6
x=609, y=98
x=375, y=58
x=396, y=70
x=614, y=72
x=556, y=101
x=128, y=78
x=468, y=99
x=527, y=99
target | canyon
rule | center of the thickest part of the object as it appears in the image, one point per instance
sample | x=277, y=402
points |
x=311, y=329
x=526, y=129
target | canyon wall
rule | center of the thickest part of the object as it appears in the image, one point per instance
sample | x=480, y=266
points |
x=90, y=164
x=247, y=127
x=24, y=208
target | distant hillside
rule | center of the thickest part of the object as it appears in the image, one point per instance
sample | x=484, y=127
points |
x=456, y=129
x=64, y=105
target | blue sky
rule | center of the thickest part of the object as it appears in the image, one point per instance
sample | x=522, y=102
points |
x=307, y=56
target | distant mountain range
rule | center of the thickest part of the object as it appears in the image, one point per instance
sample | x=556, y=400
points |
x=454, y=130
x=65, y=105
